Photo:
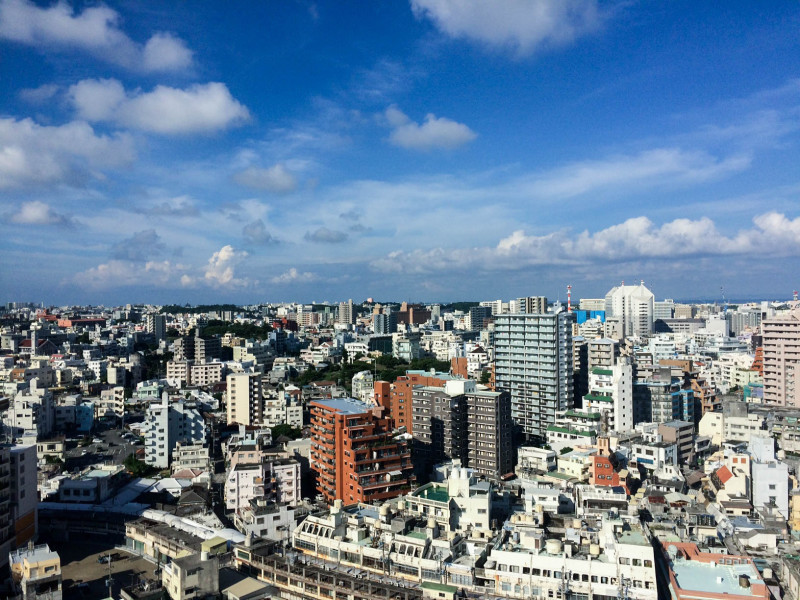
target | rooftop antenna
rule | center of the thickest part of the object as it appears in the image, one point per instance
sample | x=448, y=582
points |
x=794, y=295
x=569, y=298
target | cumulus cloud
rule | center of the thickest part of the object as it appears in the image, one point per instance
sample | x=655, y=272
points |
x=521, y=25
x=293, y=276
x=95, y=30
x=122, y=273
x=220, y=270
x=140, y=247
x=433, y=133
x=38, y=213
x=773, y=234
x=32, y=154
x=275, y=179
x=130, y=267
x=256, y=233
x=165, y=52
x=165, y=110
x=323, y=235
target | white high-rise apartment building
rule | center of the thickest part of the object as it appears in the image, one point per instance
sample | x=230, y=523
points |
x=245, y=398
x=32, y=411
x=346, y=316
x=611, y=395
x=781, y=343
x=168, y=423
x=634, y=305
x=533, y=362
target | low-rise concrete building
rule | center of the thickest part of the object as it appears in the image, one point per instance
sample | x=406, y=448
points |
x=36, y=571
x=193, y=576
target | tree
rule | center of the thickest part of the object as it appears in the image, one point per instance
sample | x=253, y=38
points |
x=138, y=468
x=287, y=430
x=565, y=450
x=485, y=377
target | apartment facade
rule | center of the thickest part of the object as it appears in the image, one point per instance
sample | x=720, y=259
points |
x=245, y=398
x=355, y=453
x=167, y=423
x=781, y=348
x=534, y=364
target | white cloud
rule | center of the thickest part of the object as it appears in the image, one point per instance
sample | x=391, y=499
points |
x=773, y=235
x=165, y=52
x=94, y=30
x=166, y=110
x=135, y=269
x=121, y=273
x=275, y=179
x=433, y=133
x=39, y=95
x=221, y=266
x=522, y=25
x=38, y=213
x=293, y=276
x=32, y=154
x=648, y=168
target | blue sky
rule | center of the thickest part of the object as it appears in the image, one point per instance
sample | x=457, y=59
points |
x=425, y=150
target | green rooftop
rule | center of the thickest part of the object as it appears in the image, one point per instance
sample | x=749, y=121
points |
x=597, y=398
x=560, y=475
x=591, y=416
x=439, y=587
x=417, y=534
x=437, y=493
x=599, y=371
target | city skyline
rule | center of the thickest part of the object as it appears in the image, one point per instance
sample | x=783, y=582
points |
x=426, y=150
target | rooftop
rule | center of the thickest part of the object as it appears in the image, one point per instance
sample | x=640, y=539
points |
x=37, y=554
x=634, y=537
x=437, y=493
x=346, y=406
x=713, y=578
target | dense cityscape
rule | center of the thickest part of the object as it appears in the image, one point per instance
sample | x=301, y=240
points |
x=614, y=447
x=399, y=300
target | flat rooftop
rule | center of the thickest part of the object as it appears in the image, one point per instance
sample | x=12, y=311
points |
x=634, y=537
x=437, y=493
x=346, y=406
x=718, y=579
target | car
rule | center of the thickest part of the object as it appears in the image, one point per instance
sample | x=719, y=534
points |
x=97, y=441
x=83, y=589
x=104, y=558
